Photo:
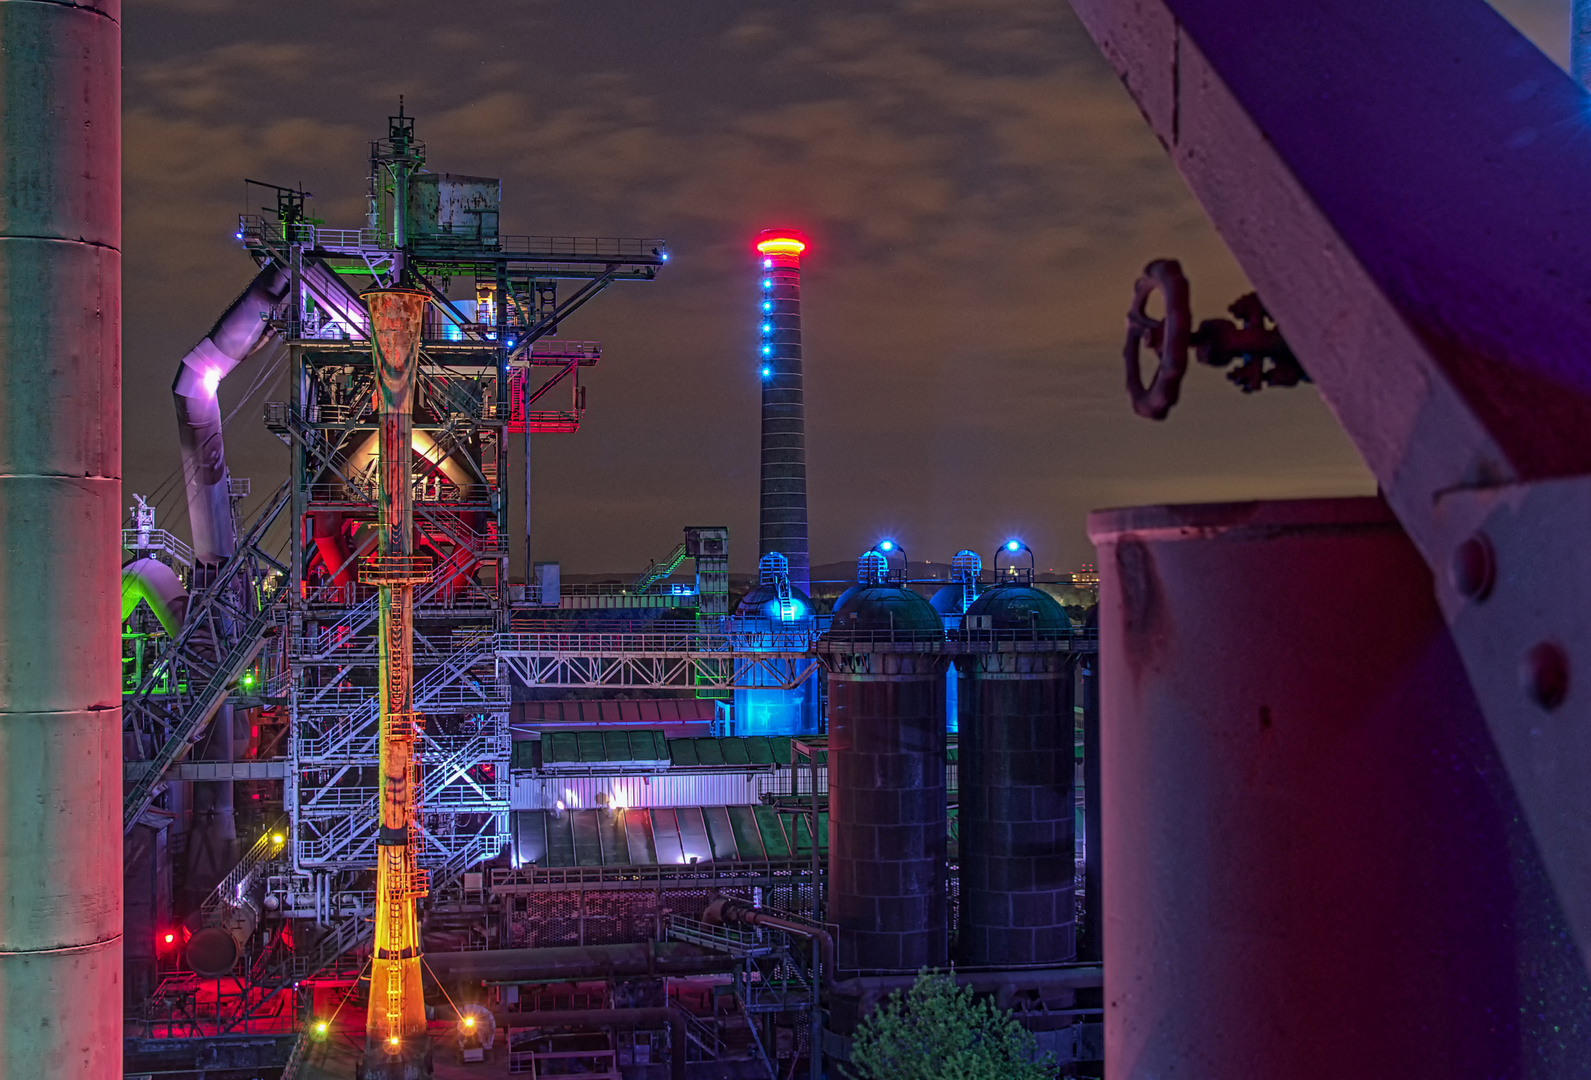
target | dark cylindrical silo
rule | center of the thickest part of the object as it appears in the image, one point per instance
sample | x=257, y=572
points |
x=784, y=439
x=1015, y=771
x=887, y=886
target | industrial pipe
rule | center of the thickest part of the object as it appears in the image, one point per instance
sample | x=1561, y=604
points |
x=728, y=909
x=156, y=584
x=672, y=1015
x=574, y=962
x=214, y=950
x=60, y=542
x=237, y=334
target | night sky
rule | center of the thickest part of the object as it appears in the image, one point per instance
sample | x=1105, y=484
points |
x=980, y=193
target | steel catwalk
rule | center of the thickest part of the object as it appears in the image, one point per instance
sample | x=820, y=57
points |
x=396, y=1045
x=784, y=437
x=1314, y=864
x=60, y=552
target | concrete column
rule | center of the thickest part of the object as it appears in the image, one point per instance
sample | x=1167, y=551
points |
x=60, y=511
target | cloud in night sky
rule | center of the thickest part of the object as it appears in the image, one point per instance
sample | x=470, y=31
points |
x=980, y=191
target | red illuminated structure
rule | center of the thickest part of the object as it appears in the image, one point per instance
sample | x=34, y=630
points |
x=784, y=440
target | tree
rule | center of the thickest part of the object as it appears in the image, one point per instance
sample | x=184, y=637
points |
x=937, y=1031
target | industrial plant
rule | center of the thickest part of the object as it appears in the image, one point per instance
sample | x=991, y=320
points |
x=1289, y=788
x=388, y=806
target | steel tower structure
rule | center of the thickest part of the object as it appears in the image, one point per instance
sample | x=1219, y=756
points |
x=784, y=438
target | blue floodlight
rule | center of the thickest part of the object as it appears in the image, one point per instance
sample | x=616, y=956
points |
x=767, y=328
x=767, y=283
x=767, y=373
x=1013, y=545
x=886, y=545
x=767, y=350
x=767, y=305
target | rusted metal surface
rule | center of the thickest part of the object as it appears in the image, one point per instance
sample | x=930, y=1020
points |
x=1314, y=863
x=1407, y=192
x=60, y=555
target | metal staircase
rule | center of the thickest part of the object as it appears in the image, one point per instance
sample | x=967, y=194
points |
x=659, y=571
x=224, y=632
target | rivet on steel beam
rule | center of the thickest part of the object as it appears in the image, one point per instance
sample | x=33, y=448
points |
x=1546, y=675
x=1473, y=568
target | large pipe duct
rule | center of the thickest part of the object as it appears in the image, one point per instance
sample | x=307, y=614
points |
x=60, y=550
x=727, y=910
x=236, y=335
x=156, y=584
x=784, y=434
x=396, y=1046
x=240, y=332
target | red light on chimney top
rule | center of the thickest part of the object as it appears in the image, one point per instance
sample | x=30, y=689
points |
x=781, y=242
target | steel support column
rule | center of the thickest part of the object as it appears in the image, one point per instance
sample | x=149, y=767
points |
x=60, y=554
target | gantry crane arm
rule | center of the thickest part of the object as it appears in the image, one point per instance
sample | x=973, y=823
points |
x=1406, y=186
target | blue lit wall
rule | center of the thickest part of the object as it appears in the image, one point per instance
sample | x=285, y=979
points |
x=778, y=712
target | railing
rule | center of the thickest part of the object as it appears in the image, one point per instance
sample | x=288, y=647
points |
x=255, y=228
x=233, y=885
x=733, y=940
x=157, y=540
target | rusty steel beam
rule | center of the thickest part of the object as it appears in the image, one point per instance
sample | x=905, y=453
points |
x=60, y=551
x=1405, y=185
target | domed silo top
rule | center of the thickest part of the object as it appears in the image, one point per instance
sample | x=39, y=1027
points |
x=886, y=612
x=1014, y=612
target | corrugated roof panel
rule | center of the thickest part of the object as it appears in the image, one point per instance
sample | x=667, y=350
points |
x=748, y=838
x=800, y=834
x=590, y=745
x=560, y=839
x=587, y=843
x=665, y=836
x=530, y=838
x=709, y=751
x=524, y=755
x=779, y=747
x=693, y=834
x=682, y=752
x=759, y=751
x=735, y=751
x=773, y=838
x=560, y=746
x=638, y=830
x=720, y=834
x=615, y=842
x=823, y=832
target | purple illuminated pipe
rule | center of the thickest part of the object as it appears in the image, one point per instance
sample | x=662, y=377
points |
x=236, y=335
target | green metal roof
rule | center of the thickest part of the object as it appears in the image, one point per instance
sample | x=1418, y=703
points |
x=747, y=750
x=595, y=746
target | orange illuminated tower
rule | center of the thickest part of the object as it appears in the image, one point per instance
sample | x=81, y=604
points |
x=396, y=1045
